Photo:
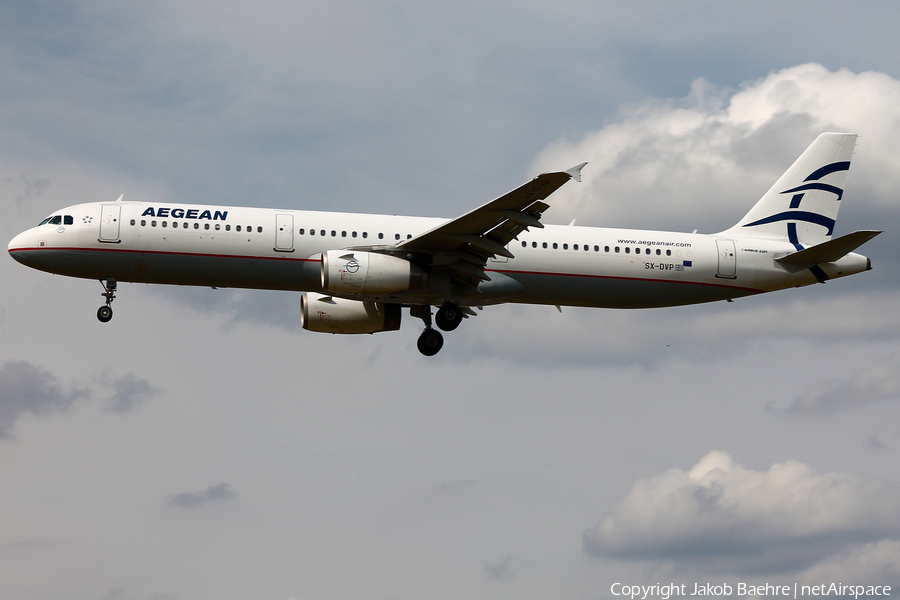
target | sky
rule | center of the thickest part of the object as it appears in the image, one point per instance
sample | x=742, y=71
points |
x=202, y=445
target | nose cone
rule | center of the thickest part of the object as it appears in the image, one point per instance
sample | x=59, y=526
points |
x=18, y=248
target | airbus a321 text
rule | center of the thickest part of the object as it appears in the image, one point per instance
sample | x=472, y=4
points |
x=357, y=272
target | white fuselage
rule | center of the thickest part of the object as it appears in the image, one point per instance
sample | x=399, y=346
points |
x=223, y=246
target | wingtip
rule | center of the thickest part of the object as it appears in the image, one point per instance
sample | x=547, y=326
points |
x=575, y=172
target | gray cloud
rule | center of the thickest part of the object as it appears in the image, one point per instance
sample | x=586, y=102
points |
x=128, y=391
x=726, y=518
x=502, y=569
x=880, y=382
x=26, y=389
x=418, y=109
x=875, y=443
x=214, y=493
x=586, y=337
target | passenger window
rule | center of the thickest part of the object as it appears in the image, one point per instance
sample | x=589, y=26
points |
x=365, y=234
x=143, y=223
x=152, y=223
x=343, y=234
x=627, y=250
x=333, y=233
x=301, y=231
x=534, y=244
x=227, y=227
x=132, y=221
x=575, y=247
x=312, y=232
x=524, y=244
x=165, y=223
x=185, y=225
x=259, y=230
x=565, y=246
x=409, y=236
x=380, y=236
x=396, y=236
x=545, y=244
x=218, y=227
x=668, y=253
x=237, y=228
x=658, y=251
x=353, y=234
x=68, y=220
x=606, y=248
x=196, y=225
x=617, y=249
x=586, y=248
x=206, y=226
x=321, y=232
x=636, y=251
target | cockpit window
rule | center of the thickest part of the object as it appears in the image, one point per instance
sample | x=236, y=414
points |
x=58, y=220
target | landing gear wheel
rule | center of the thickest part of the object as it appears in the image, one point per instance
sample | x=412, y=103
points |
x=104, y=314
x=448, y=316
x=430, y=342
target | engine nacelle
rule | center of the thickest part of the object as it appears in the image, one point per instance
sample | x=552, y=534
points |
x=328, y=314
x=354, y=272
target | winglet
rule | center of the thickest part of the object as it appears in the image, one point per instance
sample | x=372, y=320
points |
x=575, y=172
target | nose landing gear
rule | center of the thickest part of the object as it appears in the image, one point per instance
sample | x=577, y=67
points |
x=105, y=313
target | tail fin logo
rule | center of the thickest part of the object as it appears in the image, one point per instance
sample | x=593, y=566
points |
x=810, y=183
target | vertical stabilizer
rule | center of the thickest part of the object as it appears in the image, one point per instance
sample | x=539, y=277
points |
x=802, y=206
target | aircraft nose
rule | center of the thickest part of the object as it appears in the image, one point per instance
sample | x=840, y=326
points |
x=18, y=248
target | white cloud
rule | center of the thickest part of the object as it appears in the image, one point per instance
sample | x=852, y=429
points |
x=732, y=519
x=703, y=160
x=873, y=562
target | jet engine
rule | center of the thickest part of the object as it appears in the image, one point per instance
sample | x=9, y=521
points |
x=352, y=272
x=328, y=314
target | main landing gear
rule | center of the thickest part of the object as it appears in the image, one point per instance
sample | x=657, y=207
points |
x=448, y=318
x=105, y=313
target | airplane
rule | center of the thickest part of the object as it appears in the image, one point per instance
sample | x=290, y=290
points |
x=357, y=272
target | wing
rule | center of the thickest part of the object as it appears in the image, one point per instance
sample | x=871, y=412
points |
x=466, y=243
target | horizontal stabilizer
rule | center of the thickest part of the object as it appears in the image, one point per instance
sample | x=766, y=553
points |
x=829, y=251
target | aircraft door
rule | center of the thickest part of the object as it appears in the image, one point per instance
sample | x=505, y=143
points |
x=727, y=259
x=109, y=222
x=284, y=233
